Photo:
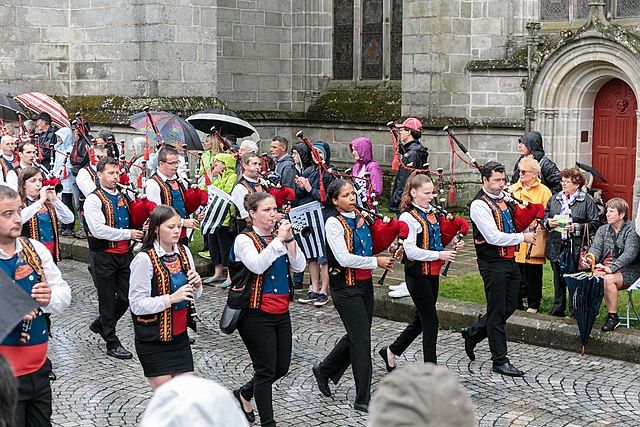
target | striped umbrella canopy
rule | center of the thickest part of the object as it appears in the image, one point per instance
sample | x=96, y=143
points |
x=39, y=102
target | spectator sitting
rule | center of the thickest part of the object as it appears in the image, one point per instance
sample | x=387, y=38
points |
x=530, y=145
x=423, y=395
x=190, y=401
x=616, y=247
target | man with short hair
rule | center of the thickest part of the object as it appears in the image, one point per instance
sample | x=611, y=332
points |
x=8, y=162
x=285, y=166
x=47, y=138
x=496, y=240
x=27, y=155
x=247, y=184
x=413, y=155
x=164, y=188
x=108, y=222
x=246, y=146
x=30, y=264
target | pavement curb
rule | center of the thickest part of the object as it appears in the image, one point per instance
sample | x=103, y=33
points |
x=530, y=328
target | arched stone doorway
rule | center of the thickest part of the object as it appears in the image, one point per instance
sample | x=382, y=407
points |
x=564, y=93
x=614, y=139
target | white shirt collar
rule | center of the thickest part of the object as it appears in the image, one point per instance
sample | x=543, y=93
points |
x=425, y=210
x=492, y=196
x=164, y=178
x=4, y=255
x=348, y=214
x=249, y=179
x=160, y=250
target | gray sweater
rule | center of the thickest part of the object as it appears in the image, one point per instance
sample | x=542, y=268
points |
x=624, y=247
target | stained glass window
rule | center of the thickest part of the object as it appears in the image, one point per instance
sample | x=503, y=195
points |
x=372, y=40
x=343, y=39
x=554, y=10
x=396, y=40
x=627, y=8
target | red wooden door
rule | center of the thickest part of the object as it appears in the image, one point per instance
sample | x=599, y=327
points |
x=614, y=140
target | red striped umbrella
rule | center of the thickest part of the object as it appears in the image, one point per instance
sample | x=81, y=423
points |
x=39, y=102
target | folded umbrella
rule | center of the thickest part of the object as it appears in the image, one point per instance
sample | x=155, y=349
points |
x=9, y=109
x=224, y=122
x=39, y=103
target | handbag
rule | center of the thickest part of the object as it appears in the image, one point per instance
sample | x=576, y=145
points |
x=584, y=248
x=229, y=319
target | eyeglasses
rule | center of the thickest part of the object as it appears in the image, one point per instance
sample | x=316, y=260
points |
x=523, y=172
x=172, y=163
x=563, y=182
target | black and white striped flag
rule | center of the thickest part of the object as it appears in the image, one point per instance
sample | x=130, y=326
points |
x=216, y=210
x=310, y=214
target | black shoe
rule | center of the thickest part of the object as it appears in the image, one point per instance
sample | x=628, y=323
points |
x=613, y=321
x=96, y=328
x=508, y=369
x=323, y=382
x=469, y=345
x=556, y=313
x=251, y=416
x=52, y=376
x=120, y=353
x=383, y=354
x=362, y=407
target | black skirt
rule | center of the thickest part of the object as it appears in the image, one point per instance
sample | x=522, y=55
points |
x=165, y=358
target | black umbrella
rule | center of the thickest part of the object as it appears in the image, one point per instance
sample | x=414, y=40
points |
x=591, y=170
x=224, y=121
x=14, y=304
x=586, y=291
x=9, y=109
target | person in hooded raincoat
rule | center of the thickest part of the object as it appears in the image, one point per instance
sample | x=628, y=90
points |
x=362, y=150
x=223, y=175
x=531, y=145
x=62, y=161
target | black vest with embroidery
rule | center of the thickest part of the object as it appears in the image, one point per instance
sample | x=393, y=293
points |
x=31, y=229
x=485, y=250
x=421, y=268
x=110, y=220
x=159, y=326
x=246, y=287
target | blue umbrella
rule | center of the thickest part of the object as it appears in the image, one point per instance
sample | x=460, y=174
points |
x=586, y=292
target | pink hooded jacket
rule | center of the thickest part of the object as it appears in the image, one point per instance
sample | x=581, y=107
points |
x=364, y=149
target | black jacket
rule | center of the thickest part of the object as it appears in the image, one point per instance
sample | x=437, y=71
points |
x=287, y=170
x=583, y=211
x=312, y=173
x=550, y=174
x=46, y=142
x=415, y=156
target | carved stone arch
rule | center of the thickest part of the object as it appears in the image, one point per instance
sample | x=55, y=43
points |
x=563, y=93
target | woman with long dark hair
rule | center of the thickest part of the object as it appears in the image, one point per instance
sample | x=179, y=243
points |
x=163, y=282
x=261, y=285
x=351, y=261
x=41, y=210
x=423, y=258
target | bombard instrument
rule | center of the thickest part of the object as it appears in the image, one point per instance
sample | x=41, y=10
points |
x=27, y=324
x=531, y=245
x=445, y=269
x=401, y=239
x=303, y=230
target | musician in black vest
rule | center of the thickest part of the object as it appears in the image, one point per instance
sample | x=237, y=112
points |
x=262, y=286
x=350, y=260
x=163, y=282
x=247, y=184
x=495, y=239
x=108, y=233
x=424, y=255
x=165, y=188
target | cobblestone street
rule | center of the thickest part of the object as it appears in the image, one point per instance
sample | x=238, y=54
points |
x=559, y=388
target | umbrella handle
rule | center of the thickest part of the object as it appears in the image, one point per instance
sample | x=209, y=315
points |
x=592, y=261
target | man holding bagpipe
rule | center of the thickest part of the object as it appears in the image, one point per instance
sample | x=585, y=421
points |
x=165, y=187
x=109, y=232
x=497, y=225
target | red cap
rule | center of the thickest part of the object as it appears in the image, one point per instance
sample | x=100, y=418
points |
x=411, y=123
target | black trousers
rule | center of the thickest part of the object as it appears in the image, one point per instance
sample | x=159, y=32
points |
x=424, y=293
x=355, y=306
x=559, y=290
x=268, y=340
x=67, y=199
x=34, y=398
x=501, y=287
x=111, y=275
x=530, y=285
x=220, y=244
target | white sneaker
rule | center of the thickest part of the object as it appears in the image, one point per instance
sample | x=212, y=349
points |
x=402, y=285
x=399, y=293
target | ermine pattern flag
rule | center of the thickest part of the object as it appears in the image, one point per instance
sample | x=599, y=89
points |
x=310, y=214
x=216, y=210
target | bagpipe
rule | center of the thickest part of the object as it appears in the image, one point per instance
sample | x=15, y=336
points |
x=368, y=196
x=523, y=216
x=450, y=228
x=49, y=179
x=273, y=185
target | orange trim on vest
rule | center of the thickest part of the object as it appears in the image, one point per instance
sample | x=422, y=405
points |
x=34, y=231
x=349, y=273
x=496, y=209
x=426, y=265
x=256, y=294
x=109, y=214
x=165, y=191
